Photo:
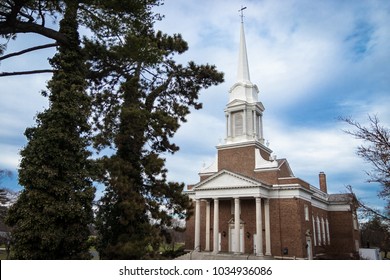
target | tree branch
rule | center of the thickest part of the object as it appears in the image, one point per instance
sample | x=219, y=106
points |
x=29, y=27
x=6, y=74
x=366, y=209
x=28, y=50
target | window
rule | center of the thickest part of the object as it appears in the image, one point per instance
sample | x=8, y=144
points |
x=318, y=231
x=327, y=230
x=238, y=124
x=306, y=209
x=314, y=231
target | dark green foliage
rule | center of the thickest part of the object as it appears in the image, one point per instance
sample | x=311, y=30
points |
x=52, y=214
x=137, y=114
x=138, y=96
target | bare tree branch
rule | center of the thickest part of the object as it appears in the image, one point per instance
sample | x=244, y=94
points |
x=28, y=50
x=6, y=74
x=366, y=209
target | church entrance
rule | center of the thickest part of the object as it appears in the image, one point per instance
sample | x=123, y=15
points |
x=232, y=239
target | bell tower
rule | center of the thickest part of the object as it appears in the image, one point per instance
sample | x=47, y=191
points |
x=243, y=112
x=243, y=151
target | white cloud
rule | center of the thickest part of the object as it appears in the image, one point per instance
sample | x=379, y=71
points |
x=9, y=158
x=299, y=53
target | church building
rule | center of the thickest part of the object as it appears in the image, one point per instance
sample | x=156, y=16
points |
x=249, y=202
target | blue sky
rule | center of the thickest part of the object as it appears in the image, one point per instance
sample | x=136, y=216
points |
x=313, y=61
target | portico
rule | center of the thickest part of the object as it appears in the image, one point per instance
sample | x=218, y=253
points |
x=235, y=192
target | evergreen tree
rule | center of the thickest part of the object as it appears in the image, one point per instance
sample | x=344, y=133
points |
x=140, y=96
x=52, y=214
x=138, y=114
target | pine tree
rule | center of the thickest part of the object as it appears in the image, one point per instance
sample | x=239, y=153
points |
x=140, y=96
x=142, y=112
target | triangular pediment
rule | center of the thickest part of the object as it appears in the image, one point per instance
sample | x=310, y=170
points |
x=226, y=180
x=236, y=102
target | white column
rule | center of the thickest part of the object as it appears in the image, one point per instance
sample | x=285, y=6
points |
x=259, y=228
x=254, y=124
x=207, y=248
x=216, y=227
x=267, y=229
x=261, y=133
x=245, y=132
x=197, y=225
x=237, y=225
x=227, y=125
x=229, y=129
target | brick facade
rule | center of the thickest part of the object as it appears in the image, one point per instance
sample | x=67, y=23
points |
x=293, y=218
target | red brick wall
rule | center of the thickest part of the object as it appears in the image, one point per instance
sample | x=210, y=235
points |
x=342, y=233
x=244, y=164
x=240, y=160
x=287, y=227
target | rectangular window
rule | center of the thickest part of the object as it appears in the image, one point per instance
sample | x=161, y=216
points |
x=238, y=124
x=306, y=212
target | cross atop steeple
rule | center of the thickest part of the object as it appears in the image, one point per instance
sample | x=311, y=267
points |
x=242, y=13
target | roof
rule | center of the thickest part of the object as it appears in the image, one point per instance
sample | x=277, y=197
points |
x=342, y=197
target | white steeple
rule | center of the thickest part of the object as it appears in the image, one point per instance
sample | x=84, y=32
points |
x=243, y=67
x=243, y=112
x=243, y=89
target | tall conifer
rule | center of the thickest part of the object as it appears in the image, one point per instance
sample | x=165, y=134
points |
x=52, y=214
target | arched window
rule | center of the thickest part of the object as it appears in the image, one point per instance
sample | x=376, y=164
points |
x=306, y=210
x=314, y=231
x=318, y=231
x=327, y=230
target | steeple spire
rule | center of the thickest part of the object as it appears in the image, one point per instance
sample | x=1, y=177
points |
x=244, y=112
x=243, y=66
x=243, y=89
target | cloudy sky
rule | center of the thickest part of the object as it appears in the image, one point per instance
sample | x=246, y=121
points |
x=313, y=61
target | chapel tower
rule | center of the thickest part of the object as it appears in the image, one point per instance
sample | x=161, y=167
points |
x=244, y=137
x=243, y=112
